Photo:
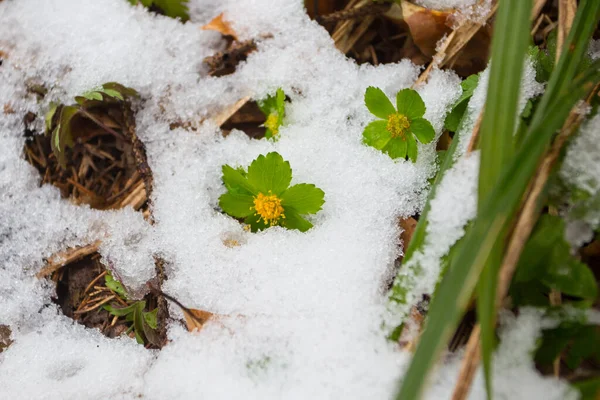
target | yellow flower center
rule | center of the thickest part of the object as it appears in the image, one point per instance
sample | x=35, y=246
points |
x=397, y=125
x=271, y=123
x=269, y=208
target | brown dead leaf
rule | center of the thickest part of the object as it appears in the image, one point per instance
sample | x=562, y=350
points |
x=195, y=319
x=428, y=26
x=221, y=26
x=408, y=226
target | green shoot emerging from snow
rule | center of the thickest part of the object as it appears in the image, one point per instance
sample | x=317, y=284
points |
x=143, y=323
x=263, y=196
x=170, y=8
x=274, y=109
x=396, y=132
x=59, y=117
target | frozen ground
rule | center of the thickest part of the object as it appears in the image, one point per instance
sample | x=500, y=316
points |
x=311, y=303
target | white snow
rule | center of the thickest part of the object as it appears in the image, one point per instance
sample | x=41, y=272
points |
x=305, y=309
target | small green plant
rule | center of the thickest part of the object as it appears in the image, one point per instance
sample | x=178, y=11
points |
x=59, y=119
x=170, y=8
x=459, y=108
x=263, y=196
x=397, y=131
x=274, y=109
x=143, y=323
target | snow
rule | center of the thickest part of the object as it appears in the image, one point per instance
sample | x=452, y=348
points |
x=475, y=10
x=304, y=310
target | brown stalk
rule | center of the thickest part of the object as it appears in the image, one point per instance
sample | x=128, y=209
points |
x=68, y=256
x=454, y=43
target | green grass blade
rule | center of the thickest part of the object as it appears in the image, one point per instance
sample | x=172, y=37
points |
x=494, y=215
x=509, y=49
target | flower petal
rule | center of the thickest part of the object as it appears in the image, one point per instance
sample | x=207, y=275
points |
x=376, y=134
x=422, y=129
x=378, y=103
x=410, y=104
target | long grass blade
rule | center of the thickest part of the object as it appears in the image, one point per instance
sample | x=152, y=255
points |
x=499, y=207
x=509, y=48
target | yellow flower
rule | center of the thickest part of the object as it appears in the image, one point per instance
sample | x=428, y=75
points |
x=268, y=208
x=397, y=125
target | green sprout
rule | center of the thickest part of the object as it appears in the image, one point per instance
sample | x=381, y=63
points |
x=395, y=133
x=170, y=8
x=59, y=118
x=263, y=196
x=274, y=109
x=144, y=323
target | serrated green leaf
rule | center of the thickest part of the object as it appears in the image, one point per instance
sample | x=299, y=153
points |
x=422, y=129
x=235, y=181
x=396, y=148
x=236, y=205
x=378, y=103
x=572, y=277
x=304, y=198
x=270, y=173
x=410, y=104
x=293, y=220
x=123, y=90
x=376, y=134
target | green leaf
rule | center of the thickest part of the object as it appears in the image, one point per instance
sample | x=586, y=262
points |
x=410, y=104
x=589, y=389
x=546, y=257
x=422, y=129
x=174, y=8
x=411, y=149
x=378, y=103
x=123, y=90
x=376, y=134
x=456, y=287
x=255, y=222
x=114, y=93
x=453, y=118
x=62, y=136
x=270, y=173
x=304, y=198
x=293, y=220
x=236, y=205
x=50, y=116
x=460, y=106
x=573, y=278
x=396, y=148
x=115, y=285
x=92, y=95
x=150, y=318
x=280, y=103
x=121, y=312
x=236, y=181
